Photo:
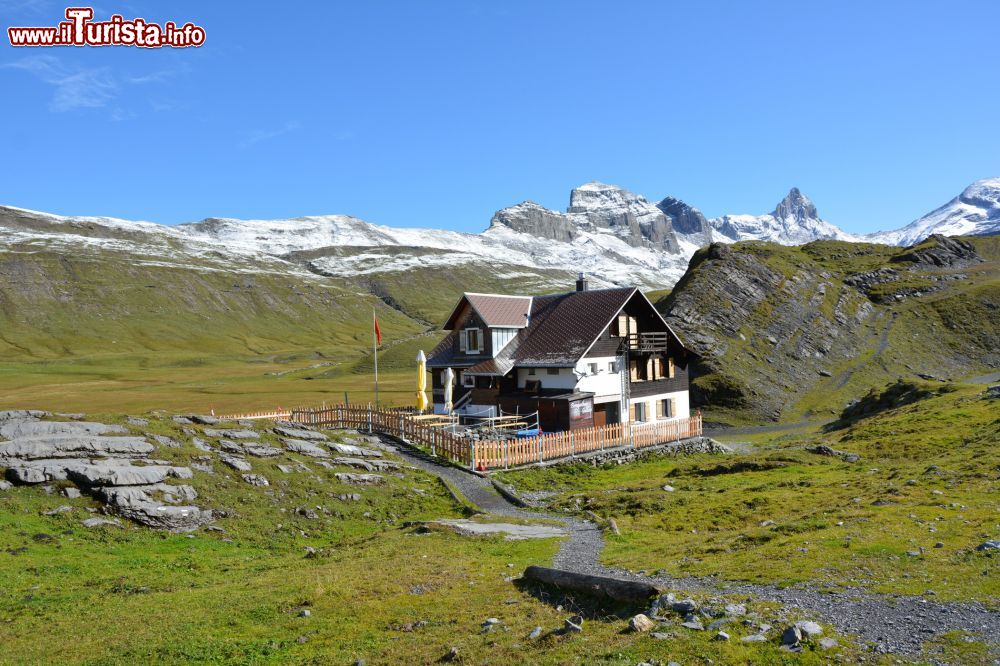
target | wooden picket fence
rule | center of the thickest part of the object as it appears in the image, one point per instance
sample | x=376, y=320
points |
x=498, y=454
x=271, y=414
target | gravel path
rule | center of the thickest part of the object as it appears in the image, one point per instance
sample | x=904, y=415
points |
x=889, y=623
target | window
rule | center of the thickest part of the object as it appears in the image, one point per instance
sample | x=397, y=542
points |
x=468, y=381
x=611, y=367
x=552, y=371
x=531, y=372
x=666, y=408
x=592, y=368
x=639, y=412
x=532, y=386
x=471, y=341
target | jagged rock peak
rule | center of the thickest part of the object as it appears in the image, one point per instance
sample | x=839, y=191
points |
x=686, y=219
x=797, y=206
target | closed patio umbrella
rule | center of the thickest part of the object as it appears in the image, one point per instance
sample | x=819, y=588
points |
x=421, y=381
x=449, y=378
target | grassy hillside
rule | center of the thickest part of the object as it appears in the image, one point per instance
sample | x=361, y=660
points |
x=798, y=332
x=372, y=588
x=905, y=517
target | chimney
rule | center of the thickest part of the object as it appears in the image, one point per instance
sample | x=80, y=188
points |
x=581, y=283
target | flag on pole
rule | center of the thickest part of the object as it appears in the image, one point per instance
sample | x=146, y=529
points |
x=378, y=331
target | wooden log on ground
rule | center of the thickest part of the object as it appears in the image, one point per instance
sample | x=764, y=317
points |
x=626, y=591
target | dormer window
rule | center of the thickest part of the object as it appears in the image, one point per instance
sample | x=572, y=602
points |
x=471, y=341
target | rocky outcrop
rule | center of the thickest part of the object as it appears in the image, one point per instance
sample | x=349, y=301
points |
x=102, y=464
x=773, y=325
x=941, y=252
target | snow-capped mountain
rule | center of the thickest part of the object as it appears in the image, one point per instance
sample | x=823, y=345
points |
x=974, y=212
x=616, y=236
x=794, y=221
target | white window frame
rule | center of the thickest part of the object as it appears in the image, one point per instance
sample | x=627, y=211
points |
x=640, y=412
x=468, y=381
x=593, y=368
x=479, y=340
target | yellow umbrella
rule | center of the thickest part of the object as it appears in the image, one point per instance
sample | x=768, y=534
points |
x=421, y=381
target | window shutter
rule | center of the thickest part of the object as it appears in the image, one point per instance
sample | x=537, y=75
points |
x=634, y=370
x=649, y=368
x=673, y=407
x=631, y=412
x=670, y=362
x=651, y=410
x=463, y=342
x=622, y=326
x=659, y=409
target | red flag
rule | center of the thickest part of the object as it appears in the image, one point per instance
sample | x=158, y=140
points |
x=378, y=331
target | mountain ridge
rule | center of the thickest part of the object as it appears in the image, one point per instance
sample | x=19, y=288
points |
x=615, y=235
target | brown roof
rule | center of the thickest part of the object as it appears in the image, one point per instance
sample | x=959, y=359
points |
x=495, y=310
x=561, y=329
x=564, y=326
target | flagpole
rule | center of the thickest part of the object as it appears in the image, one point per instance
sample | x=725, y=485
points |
x=375, y=347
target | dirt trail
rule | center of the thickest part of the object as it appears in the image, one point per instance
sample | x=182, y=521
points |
x=888, y=623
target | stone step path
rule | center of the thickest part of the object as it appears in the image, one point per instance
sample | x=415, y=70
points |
x=888, y=623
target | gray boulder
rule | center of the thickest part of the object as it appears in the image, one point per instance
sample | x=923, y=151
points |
x=16, y=429
x=256, y=480
x=43, y=471
x=232, y=434
x=151, y=506
x=237, y=463
x=352, y=450
x=168, y=442
x=123, y=474
x=641, y=623
x=299, y=433
x=366, y=479
x=355, y=462
x=203, y=419
x=989, y=546
x=5, y=485
x=809, y=629
x=256, y=449
x=791, y=636
x=98, y=522
x=22, y=415
x=73, y=446
x=305, y=448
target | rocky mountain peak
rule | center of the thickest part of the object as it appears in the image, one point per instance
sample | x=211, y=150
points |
x=686, y=220
x=596, y=196
x=796, y=206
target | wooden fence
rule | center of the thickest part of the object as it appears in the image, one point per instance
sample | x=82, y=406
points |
x=494, y=454
x=271, y=414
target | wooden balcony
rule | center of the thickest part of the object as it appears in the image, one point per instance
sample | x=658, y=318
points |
x=647, y=342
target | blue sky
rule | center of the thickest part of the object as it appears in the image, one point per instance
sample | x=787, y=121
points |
x=439, y=113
